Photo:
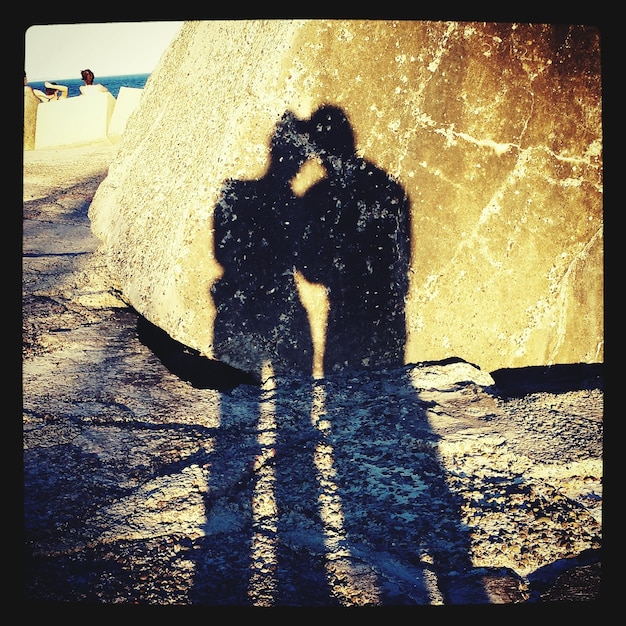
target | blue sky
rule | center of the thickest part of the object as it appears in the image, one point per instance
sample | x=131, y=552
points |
x=61, y=51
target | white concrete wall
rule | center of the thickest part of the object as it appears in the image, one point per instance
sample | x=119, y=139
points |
x=72, y=121
x=127, y=101
x=84, y=119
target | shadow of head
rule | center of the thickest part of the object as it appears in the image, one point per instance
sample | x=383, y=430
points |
x=331, y=133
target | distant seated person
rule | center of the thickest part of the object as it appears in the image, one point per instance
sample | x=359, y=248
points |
x=89, y=87
x=53, y=92
x=28, y=90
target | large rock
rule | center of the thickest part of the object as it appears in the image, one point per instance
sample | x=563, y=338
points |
x=480, y=237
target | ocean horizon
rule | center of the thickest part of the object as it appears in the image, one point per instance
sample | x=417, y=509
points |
x=112, y=83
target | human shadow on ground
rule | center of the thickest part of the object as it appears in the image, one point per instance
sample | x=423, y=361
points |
x=305, y=462
x=259, y=314
x=398, y=511
x=356, y=240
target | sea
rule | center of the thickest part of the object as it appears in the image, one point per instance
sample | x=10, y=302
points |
x=112, y=83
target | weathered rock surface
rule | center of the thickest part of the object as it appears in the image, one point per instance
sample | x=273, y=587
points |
x=493, y=132
x=31, y=102
x=419, y=484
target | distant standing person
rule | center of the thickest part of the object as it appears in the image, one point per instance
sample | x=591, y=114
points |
x=89, y=86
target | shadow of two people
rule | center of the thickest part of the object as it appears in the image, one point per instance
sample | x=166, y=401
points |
x=350, y=232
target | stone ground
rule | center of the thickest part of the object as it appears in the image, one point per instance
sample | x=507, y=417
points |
x=422, y=485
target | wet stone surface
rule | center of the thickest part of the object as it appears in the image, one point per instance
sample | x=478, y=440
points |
x=414, y=485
